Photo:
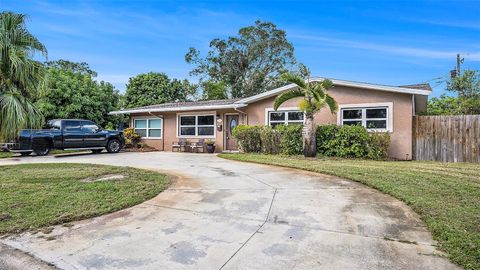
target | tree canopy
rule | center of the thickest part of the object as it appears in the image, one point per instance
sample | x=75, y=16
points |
x=465, y=98
x=214, y=90
x=249, y=63
x=156, y=88
x=71, y=92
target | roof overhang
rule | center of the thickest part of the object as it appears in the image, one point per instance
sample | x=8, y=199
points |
x=180, y=109
x=361, y=85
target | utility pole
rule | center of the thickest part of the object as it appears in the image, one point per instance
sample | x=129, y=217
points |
x=459, y=61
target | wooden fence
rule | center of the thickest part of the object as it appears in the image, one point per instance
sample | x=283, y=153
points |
x=447, y=138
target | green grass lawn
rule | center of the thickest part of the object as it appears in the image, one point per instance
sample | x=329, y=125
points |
x=6, y=154
x=446, y=195
x=38, y=195
x=53, y=152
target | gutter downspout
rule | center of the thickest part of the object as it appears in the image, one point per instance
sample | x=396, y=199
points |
x=163, y=131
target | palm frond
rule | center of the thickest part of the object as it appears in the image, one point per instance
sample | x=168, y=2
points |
x=318, y=91
x=12, y=116
x=282, y=98
x=293, y=78
x=319, y=104
x=20, y=75
x=332, y=104
x=327, y=84
x=317, y=95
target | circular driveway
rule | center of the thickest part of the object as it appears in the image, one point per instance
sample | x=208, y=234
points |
x=221, y=214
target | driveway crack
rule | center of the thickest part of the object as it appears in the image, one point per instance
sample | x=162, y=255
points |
x=254, y=233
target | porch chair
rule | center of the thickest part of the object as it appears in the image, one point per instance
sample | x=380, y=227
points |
x=181, y=145
x=198, y=145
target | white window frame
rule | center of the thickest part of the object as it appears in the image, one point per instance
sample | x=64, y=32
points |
x=196, y=115
x=364, y=107
x=147, y=128
x=285, y=110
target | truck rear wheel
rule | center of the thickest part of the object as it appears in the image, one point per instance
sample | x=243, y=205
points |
x=114, y=146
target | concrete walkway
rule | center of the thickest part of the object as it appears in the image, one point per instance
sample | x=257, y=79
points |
x=222, y=214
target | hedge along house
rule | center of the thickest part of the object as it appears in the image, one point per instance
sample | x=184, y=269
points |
x=379, y=108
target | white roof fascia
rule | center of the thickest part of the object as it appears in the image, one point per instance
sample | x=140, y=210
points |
x=267, y=94
x=175, y=109
x=368, y=86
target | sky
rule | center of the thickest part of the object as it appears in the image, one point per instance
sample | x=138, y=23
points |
x=385, y=42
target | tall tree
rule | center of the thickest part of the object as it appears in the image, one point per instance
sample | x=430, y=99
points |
x=315, y=97
x=214, y=90
x=156, y=88
x=465, y=99
x=20, y=75
x=467, y=88
x=249, y=63
x=70, y=91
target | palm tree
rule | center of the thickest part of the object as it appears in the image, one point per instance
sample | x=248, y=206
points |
x=20, y=75
x=315, y=98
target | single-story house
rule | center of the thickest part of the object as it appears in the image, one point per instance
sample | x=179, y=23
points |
x=376, y=107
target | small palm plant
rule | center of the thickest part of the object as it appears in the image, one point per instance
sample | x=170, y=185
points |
x=315, y=98
x=20, y=75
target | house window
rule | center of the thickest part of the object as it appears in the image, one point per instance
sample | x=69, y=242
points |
x=372, y=118
x=148, y=128
x=285, y=118
x=196, y=125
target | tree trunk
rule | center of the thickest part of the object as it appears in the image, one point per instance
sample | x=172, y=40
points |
x=309, y=137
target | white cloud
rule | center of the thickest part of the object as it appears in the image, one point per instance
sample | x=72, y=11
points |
x=391, y=49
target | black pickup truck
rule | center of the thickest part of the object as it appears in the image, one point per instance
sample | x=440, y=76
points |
x=71, y=134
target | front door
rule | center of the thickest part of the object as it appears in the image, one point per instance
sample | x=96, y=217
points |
x=230, y=123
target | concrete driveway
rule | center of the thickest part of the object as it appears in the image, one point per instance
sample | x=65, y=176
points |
x=222, y=214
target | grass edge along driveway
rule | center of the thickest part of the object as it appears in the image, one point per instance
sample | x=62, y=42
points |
x=445, y=195
x=39, y=195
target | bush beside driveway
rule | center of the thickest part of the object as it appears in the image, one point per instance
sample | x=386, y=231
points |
x=446, y=195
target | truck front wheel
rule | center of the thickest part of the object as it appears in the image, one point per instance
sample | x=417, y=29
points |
x=42, y=152
x=114, y=146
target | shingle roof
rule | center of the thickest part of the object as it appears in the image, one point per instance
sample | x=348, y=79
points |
x=421, y=89
x=214, y=102
x=420, y=86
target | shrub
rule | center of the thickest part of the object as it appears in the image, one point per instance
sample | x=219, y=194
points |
x=248, y=138
x=325, y=133
x=291, y=140
x=332, y=140
x=270, y=140
x=131, y=138
x=348, y=142
x=378, y=145
x=351, y=142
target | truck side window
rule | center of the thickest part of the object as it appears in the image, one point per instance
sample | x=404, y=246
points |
x=57, y=125
x=89, y=126
x=71, y=126
x=53, y=124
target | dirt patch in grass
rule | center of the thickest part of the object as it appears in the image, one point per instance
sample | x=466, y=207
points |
x=34, y=196
x=108, y=177
x=445, y=195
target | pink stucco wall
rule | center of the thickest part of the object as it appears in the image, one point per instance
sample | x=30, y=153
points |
x=401, y=135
